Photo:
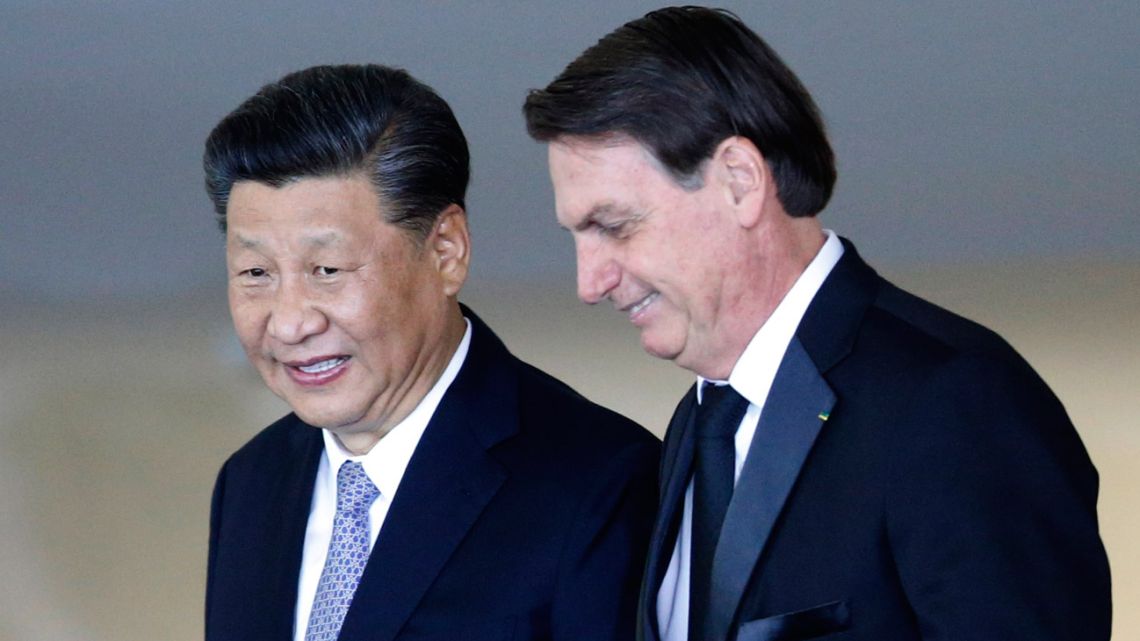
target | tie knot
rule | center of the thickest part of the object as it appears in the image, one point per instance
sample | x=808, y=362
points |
x=720, y=411
x=354, y=490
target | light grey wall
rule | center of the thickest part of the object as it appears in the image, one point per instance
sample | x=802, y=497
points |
x=965, y=131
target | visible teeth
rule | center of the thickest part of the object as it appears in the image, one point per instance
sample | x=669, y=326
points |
x=643, y=304
x=322, y=366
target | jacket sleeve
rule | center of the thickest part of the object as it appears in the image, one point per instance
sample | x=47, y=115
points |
x=601, y=567
x=991, y=509
x=216, y=502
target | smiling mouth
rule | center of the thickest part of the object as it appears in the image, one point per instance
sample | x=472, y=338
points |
x=640, y=305
x=322, y=366
x=317, y=372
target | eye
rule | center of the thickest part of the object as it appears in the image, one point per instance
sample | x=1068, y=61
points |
x=254, y=272
x=611, y=229
x=322, y=270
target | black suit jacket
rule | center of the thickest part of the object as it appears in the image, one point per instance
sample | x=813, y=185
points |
x=911, y=477
x=523, y=514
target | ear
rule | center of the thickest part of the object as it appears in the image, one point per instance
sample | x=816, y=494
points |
x=745, y=177
x=450, y=244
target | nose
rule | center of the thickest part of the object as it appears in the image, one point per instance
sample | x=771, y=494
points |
x=295, y=316
x=598, y=274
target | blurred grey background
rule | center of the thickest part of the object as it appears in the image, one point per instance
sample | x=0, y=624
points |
x=988, y=158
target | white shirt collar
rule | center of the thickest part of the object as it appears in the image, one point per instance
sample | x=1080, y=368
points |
x=755, y=370
x=386, y=461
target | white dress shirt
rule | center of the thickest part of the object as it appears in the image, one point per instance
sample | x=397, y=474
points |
x=384, y=464
x=752, y=377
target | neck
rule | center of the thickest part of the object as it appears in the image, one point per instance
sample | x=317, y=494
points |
x=775, y=257
x=359, y=439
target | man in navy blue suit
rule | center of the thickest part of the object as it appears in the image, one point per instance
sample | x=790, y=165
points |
x=854, y=463
x=428, y=484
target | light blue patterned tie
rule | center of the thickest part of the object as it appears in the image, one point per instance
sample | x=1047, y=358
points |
x=348, y=552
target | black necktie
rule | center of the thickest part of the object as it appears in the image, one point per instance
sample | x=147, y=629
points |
x=714, y=459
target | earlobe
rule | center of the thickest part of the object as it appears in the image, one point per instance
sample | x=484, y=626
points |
x=450, y=244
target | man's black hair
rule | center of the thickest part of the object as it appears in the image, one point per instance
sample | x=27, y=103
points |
x=340, y=120
x=681, y=80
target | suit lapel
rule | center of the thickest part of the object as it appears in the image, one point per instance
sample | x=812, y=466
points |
x=676, y=465
x=281, y=541
x=793, y=416
x=449, y=480
x=677, y=458
x=788, y=427
x=789, y=423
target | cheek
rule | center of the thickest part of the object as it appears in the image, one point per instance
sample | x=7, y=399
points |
x=360, y=312
x=659, y=262
x=248, y=319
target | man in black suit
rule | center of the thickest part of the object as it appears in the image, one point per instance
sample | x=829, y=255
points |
x=854, y=462
x=428, y=484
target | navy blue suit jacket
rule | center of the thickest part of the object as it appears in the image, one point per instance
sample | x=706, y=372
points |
x=524, y=513
x=911, y=478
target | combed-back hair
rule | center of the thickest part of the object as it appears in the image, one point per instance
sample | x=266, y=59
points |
x=679, y=81
x=339, y=120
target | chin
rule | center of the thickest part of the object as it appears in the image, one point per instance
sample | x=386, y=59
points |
x=658, y=350
x=325, y=419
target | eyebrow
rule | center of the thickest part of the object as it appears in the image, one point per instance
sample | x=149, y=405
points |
x=323, y=239
x=318, y=240
x=599, y=211
x=246, y=242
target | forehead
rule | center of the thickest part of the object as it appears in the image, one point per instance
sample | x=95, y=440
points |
x=590, y=159
x=588, y=174
x=319, y=207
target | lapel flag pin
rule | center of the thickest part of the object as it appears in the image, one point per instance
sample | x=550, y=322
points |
x=823, y=416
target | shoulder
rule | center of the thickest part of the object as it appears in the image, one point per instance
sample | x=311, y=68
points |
x=946, y=379
x=565, y=439
x=904, y=333
x=284, y=440
x=544, y=405
x=549, y=401
x=923, y=373
x=914, y=315
x=861, y=325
